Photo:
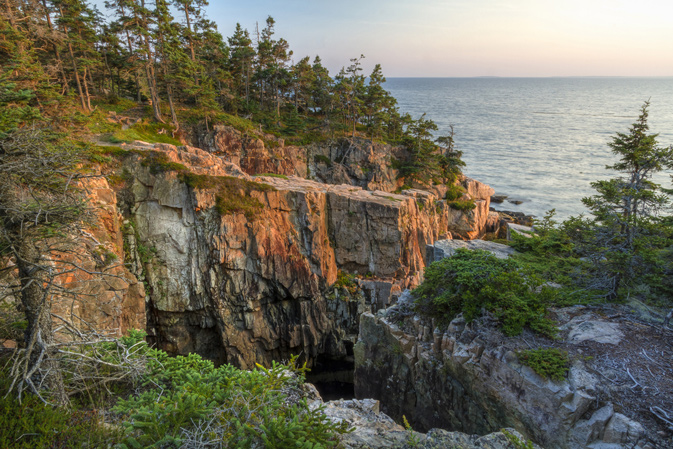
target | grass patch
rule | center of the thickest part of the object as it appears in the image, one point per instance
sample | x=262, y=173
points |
x=472, y=281
x=233, y=195
x=158, y=162
x=549, y=363
x=273, y=175
x=241, y=124
x=462, y=205
x=146, y=132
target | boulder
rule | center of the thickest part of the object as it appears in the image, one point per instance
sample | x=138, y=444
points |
x=446, y=248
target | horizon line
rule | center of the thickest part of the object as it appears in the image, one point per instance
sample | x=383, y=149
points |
x=537, y=76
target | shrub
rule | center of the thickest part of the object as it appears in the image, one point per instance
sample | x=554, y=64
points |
x=193, y=401
x=35, y=425
x=462, y=205
x=474, y=280
x=322, y=159
x=550, y=363
x=454, y=192
x=158, y=162
x=346, y=281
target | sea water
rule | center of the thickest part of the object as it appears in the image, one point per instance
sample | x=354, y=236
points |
x=541, y=141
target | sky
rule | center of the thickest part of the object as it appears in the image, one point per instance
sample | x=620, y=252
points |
x=455, y=38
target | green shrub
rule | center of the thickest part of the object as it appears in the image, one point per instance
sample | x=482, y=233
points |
x=346, y=281
x=158, y=162
x=191, y=400
x=474, y=280
x=550, y=363
x=454, y=192
x=322, y=159
x=32, y=424
x=462, y=205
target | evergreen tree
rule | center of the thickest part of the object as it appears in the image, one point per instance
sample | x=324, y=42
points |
x=240, y=64
x=625, y=228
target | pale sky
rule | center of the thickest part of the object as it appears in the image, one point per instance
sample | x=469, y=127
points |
x=445, y=38
x=471, y=37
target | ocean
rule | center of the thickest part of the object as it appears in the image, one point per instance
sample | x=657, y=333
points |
x=541, y=141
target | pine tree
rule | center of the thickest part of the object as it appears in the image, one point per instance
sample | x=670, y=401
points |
x=627, y=208
x=240, y=64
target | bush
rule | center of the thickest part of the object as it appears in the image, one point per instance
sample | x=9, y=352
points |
x=35, y=425
x=462, y=205
x=454, y=192
x=192, y=401
x=550, y=363
x=474, y=280
x=158, y=162
x=322, y=159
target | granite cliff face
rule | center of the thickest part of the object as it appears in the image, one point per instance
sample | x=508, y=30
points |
x=358, y=162
x=253, y=286
x=468, y=378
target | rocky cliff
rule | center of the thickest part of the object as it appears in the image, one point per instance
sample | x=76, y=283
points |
x=244, y=269
x=358, y=162
x=467, y=377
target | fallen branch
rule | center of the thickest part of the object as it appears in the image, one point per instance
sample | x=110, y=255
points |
x=663, y=415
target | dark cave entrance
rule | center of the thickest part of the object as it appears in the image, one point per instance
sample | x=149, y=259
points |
x=333, y=376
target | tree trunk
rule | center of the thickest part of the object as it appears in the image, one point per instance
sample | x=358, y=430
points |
x=40, y=367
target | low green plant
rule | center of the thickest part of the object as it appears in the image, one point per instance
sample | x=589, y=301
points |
x=412, y=439
x=146, y=132
x=472, y=281
x=516, y=441
x=550, y=363
x=32, y=424
x=454, y=192
x=273, y=175
x=158, y=162
x=346, y=281
x=190, y=399
x=233, y=195
x=462, y=205
x=322, y=159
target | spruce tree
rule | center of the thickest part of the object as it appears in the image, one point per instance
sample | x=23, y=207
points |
x=626, y=209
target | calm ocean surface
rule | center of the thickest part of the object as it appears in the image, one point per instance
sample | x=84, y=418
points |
x=538, y=140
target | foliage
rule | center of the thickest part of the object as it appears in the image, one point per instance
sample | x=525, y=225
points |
x=550, y=254
x=627, y=233
x=516, y=441
x=273, y=175
x=550, y=363
x=158, y=162
x=190, y=400
x=233, y=195
x=32, y=424
x=411, y=439
x=346, y=281
x=146, y=132
x=462, y=205
x=322, y=159
x=472, y=281
x=454, y=192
